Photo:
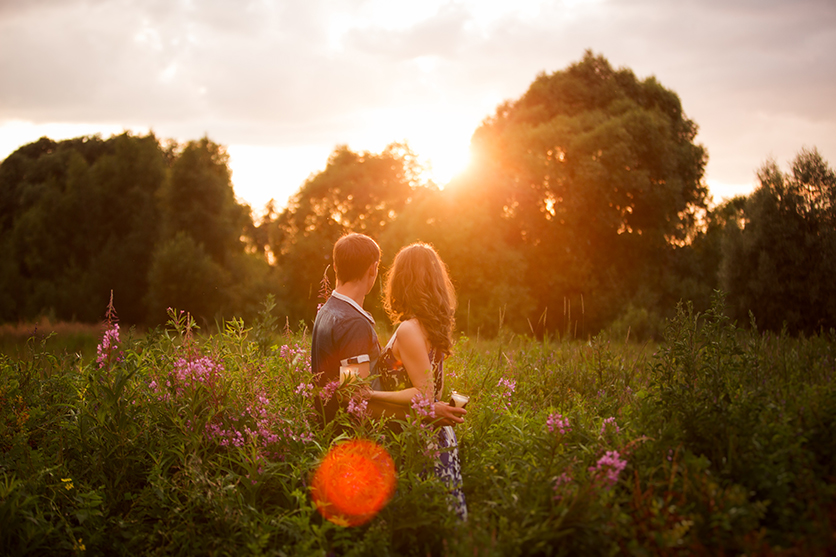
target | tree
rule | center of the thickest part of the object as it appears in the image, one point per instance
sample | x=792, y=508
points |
x=695, y=265
x=357, y=192
x=487, y=274
x=79, y=220
x=184, y=276
x=780, y=259
x=83, y=217
x=597, y=173
x=198, y=199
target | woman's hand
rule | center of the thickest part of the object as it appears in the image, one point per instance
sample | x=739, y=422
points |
x=448, y=415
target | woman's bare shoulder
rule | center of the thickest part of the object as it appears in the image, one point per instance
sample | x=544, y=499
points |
x=411, y=334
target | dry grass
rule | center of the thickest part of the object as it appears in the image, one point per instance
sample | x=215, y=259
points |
x=61, y=336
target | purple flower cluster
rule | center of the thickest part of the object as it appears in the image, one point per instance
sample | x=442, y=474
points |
x=608, y=468
x=423, y=406
x=269, y=431
x=328, y=390
x=187, y=374
x=560, y=481
x=359, y=407
x=110, y=340
x=556, y=422
x=296, y=355
x=507, y=388
x=609, y=422
x=236, y=419
x=304, y=389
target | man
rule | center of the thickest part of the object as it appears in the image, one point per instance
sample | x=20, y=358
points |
x=344, y=332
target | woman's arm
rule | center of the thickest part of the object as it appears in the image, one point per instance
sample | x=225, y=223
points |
x=411, y=349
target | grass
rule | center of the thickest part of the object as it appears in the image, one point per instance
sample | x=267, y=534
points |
x=18, y=340
x=716, y=441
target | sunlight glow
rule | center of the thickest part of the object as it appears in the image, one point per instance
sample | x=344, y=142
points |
x=261, y=173
x=721, y=191
x=438, y=135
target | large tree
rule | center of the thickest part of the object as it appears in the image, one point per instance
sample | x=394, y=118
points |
x=156, y=226
x=357, y=192
x=199, y=264
x=78, y=220
x=597, y=174
x=779, y=260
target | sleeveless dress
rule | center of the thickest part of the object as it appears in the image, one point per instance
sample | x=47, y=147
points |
x=447, y=466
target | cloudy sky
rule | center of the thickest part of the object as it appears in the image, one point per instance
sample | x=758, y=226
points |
x=282, y=82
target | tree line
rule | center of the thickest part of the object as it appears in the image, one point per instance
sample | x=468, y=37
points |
x=585, y=208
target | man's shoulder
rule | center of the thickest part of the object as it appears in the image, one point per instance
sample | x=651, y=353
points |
x=338, y=319
x=337, y=309
x=341, y=310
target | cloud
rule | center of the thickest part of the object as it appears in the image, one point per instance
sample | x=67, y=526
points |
x=304, y=73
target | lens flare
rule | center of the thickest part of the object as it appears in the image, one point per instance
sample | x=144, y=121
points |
x=354, y=481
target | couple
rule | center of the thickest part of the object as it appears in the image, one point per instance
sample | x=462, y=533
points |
x=419, y=298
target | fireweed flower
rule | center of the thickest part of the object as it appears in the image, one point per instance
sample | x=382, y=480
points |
x=423, y=406
x=507, y=388
x=608, y=468
x=108, y=344
x=295, y=355
x=190, y=373
x=328, y=390
x=560, y=481
x=557, y=423
x=304, y=389
x=358, y=406
x=609, y=422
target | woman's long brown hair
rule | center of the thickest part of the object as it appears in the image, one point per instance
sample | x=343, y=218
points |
x=419, y=286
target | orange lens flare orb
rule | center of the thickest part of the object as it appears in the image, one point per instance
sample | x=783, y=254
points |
x=354, y=481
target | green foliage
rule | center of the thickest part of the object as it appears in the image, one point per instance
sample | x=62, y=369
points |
x=183, y=274
x=595, y=173
x=357, y=192
x=746, y=404
x=780, y=257
x=83, y=218
x=177, y=442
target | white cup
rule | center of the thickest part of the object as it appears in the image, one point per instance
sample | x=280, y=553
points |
x=349, y=373
x=458, y=400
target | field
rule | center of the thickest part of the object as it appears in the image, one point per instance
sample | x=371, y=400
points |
x=715, y=441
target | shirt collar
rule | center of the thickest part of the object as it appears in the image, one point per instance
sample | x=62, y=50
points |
x=357, y=306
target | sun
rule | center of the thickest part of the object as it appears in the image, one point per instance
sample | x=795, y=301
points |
x=438, y=135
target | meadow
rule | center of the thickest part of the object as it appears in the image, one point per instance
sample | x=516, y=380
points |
x=716, y=440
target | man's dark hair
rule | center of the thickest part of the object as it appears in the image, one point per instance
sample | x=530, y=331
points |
x=353, y=255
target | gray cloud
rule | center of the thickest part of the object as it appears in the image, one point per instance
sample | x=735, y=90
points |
x=270, y=72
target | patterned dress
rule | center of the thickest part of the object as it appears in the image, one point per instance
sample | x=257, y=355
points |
x=447, y=466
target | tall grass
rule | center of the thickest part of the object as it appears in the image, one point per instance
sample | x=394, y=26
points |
x=18, y=340
x=715, y=441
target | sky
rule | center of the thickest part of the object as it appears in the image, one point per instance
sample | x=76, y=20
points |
x=281, y=83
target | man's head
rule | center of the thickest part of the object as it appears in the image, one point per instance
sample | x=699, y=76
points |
x=353, y=255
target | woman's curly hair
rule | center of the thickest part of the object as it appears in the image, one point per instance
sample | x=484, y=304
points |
x=418, y=285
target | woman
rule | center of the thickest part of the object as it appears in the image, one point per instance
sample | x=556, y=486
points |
x=420, y=299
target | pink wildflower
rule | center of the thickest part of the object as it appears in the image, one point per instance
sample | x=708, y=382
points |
x=328, y=390
x=304, y=389
x=423, y=406
x=358, y=406
x=560, y=481
x=507, y=388
x=609, y=467
x=609, y=422
x=108, y=344
x=556, y=422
